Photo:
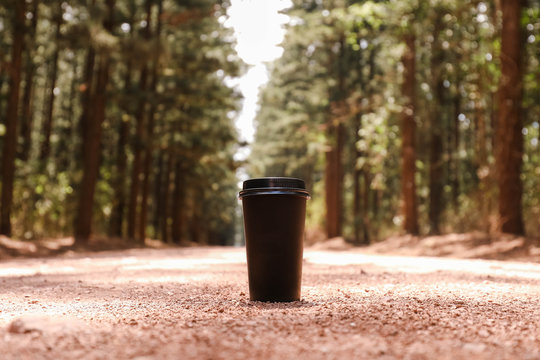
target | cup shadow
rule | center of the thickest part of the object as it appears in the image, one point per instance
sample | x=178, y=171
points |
x=279, y=305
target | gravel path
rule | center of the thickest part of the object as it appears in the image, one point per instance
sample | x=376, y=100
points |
x=192, y=303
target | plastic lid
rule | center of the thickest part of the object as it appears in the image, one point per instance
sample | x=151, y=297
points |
x=274, y=182
x=275, y=185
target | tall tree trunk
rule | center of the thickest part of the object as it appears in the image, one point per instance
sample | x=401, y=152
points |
x=448, y=149
x=195, y=231
x=147, y=173
x=46, y=129
x=436, y=141
x=86, y=98
x=333, y=174
x=10, y=138
x=178, y=204
x=333, y=183
x=366, y=191
x=361, y=236
x=360, y=195
x=65, y=147
x=481, y=159
x=91, y=143
x=481, y=135
x=198, y=233
x=455, y=152
x=91, y=158
x=149, y=143
x=358, y=154
x=119, y=202
x=357, y=205
x=119, y=182
x=509, y=144
x=158, y=211
x=136, y=167
x=408, y=143
x=165, y=202
x=27, y=115
x=138, y=146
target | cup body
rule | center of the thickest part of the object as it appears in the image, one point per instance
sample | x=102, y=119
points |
x=274, y=233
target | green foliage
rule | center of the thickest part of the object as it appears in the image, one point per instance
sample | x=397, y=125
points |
x=191, y=54
x=456, y=42
x=341, y=67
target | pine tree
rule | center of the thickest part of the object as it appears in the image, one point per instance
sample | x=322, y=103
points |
x=12, y=114
x=509, y=139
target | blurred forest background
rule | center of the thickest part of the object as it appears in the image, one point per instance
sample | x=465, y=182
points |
x=417, y=117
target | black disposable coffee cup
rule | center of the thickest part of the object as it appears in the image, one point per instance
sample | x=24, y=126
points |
x=274, y=217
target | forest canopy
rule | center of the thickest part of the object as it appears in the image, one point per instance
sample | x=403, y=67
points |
x=124, y=124
x=417, y=117
x=408, y=116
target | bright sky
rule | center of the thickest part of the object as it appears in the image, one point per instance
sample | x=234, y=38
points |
x=258, y=28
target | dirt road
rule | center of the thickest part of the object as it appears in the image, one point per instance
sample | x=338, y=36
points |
x=193, y=304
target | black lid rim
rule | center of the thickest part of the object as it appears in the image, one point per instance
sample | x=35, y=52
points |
x=274, y=191
x=273, y=183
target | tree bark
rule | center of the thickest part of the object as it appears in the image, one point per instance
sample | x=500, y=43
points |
x=53, y=74
x=86, y=98
x=138, y=146
x=509, y=138
x=333, y=174
x=366, y=192
x=64, y=153
x=358, y=216
x=178, y=204
x=455, y=152
x=436, y=141
x=157, y=213
x=149, y=143
x=333, y=183
x=165, y=203
x=147, y=173
x=119, y=202
x=91, y=143
x=360, y=194
x=136, y=169
x=91, y=158
x=10, y=138
x=481, y=157
x=360, y=233
x=119, y=182
x=408, y=143
x=27, y=115
x=195, y=229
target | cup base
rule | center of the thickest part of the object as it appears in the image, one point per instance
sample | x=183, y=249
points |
x=280, y=300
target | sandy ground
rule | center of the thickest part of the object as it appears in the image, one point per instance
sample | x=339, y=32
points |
x=192, y=303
